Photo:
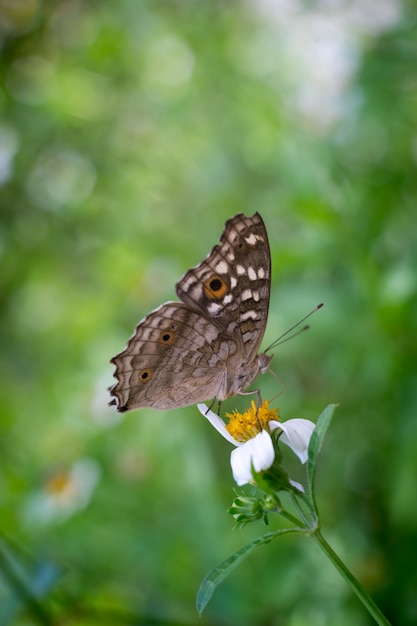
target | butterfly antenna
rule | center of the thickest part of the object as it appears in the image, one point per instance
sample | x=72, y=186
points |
x=286, y=336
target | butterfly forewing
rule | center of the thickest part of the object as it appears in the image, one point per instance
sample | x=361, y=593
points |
x=231, y=286
x=205, y=346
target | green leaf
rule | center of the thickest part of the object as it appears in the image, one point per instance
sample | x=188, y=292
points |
x=223, y=569
x=316, y=443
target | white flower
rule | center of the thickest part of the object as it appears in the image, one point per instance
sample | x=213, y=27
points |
x=64, y=493
x=296, y=434
x=257, y=452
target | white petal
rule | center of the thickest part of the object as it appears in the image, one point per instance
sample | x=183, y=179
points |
x=257, y=453
x=297, y=485
x=218, y=423
x=296, y=434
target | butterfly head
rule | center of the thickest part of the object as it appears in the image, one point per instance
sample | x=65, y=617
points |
x=264, y=361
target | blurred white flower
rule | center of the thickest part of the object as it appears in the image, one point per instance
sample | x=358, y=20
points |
x=63, y=493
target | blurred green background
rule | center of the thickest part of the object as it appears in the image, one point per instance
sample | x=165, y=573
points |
x=129, y=133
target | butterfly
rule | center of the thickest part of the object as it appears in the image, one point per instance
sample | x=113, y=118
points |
x=205, y=346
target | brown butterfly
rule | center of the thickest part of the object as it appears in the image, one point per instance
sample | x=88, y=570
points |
x=205, y=346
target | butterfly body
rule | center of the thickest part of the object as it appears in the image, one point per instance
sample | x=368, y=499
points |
x=206, y=345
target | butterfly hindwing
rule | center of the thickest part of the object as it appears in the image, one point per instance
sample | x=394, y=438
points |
x=173, y=351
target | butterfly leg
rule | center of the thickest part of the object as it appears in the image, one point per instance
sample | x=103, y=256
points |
x=251, y=392
x=259, y=404
x=281, y=382
x=212, y=405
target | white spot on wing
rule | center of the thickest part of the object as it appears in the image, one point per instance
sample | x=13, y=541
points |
x=261, y=272
x=188, y=282
x=247, y=294
x=214, y=308
x=251, y=273
x=222, y=268
x=240, y=270
x=251, y=239
x=233, y=282
x=228, y=299
x=252, y=315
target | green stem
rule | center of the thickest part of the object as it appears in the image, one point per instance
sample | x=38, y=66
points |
x=22, y=591
x=288, y=516
x=309, y=522
x=349, y=577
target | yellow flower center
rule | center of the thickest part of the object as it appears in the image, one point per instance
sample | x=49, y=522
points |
x=244, y=426
x=59, y=483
